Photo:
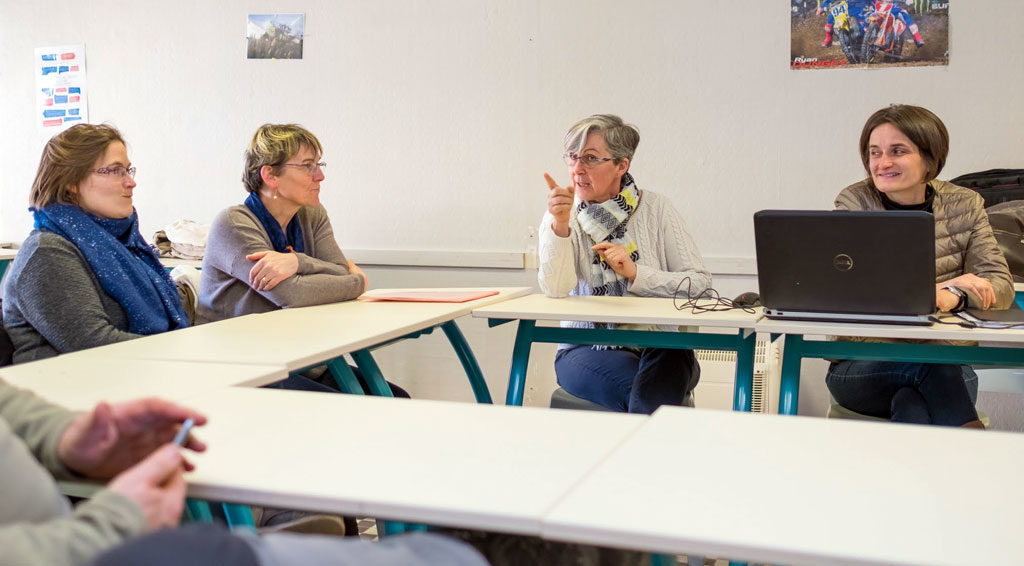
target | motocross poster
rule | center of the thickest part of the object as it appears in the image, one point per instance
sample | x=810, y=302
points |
x=831, y=34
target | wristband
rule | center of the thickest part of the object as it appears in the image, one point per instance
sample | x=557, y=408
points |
x=961, y=296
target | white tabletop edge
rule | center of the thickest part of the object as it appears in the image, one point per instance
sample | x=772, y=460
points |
x=893, y=331
x=642, y=310
x=150, y=347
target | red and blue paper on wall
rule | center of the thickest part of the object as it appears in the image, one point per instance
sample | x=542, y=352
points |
x=60, y=86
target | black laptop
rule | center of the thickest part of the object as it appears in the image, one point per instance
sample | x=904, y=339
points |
x=872, y=267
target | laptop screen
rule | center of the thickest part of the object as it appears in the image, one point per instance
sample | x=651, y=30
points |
x=877, y=262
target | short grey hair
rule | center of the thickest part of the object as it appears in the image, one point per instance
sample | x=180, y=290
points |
x=620, y=137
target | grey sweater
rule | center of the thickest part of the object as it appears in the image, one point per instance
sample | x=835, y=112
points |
x=37, y=525
x=53, y=302
x=224, y=290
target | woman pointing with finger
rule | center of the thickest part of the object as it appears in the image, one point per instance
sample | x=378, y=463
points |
x=603, y=235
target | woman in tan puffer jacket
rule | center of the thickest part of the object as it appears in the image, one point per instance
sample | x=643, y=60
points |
x=903, y=149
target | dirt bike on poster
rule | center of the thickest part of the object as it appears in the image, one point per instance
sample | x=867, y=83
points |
x=886, y=33
x=846, y=28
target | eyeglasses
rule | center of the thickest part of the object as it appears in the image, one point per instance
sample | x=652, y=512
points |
x=118, y=171
x=589, y=161
x=312, y=168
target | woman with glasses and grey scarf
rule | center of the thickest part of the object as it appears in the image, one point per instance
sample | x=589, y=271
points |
x=604, y=235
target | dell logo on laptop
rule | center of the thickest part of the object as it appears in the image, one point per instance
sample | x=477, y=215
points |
x=842, y=262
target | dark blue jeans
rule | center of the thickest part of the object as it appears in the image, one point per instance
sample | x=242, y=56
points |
x=628, y=380
x=940, y=394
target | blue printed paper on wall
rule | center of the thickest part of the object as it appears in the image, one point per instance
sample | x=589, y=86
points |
x=60, y=86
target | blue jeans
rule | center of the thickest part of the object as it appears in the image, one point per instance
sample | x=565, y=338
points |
x=628, y=380
x=940, y=394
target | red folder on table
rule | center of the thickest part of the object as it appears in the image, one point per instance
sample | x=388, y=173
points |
x=429, y=296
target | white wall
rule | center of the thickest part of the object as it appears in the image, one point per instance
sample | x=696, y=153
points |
x=439, y=117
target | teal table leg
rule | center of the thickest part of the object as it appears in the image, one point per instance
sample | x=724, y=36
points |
x=4, y=263
x=198, y=511
x=663, y=560
x=344, y=376
x=789, y=387
x=469, y=363
x=520, y=363
x=238, y=516
x=1018, y=297
x=744, y=371
x=371, y=374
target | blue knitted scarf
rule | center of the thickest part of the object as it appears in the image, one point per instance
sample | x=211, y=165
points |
x=292, y=242
x=127, y=268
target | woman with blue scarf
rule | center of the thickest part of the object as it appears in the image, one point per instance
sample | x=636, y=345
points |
x=277, y=249
x=85, y=277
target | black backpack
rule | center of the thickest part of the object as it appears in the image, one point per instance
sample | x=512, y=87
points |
x=994, y=185
x=1007, y=220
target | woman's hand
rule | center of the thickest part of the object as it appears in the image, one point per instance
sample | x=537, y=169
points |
x=559, y=205
x=271, y=268
x=617, y=258
x=157, y=486
x=979, y=286
x=355, y=270
x=946, y=300
x=111, y=438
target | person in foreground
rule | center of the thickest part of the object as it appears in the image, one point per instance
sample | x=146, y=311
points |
x=130, y=445
x=277, y=250
x=903, y=149
x=603, y=235
x=85, y=277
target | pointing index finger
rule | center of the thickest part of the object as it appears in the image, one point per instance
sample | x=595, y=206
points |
x=551, y=182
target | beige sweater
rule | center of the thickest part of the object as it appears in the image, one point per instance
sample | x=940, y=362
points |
x=37, y=526
x=963, y=238
x=963, y=242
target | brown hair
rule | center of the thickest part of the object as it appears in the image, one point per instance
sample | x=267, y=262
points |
x=67, y=160
x=920, y=125
x=273, y=144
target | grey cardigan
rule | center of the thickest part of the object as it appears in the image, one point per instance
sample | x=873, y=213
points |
x=224, y=290
x=54, y=303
